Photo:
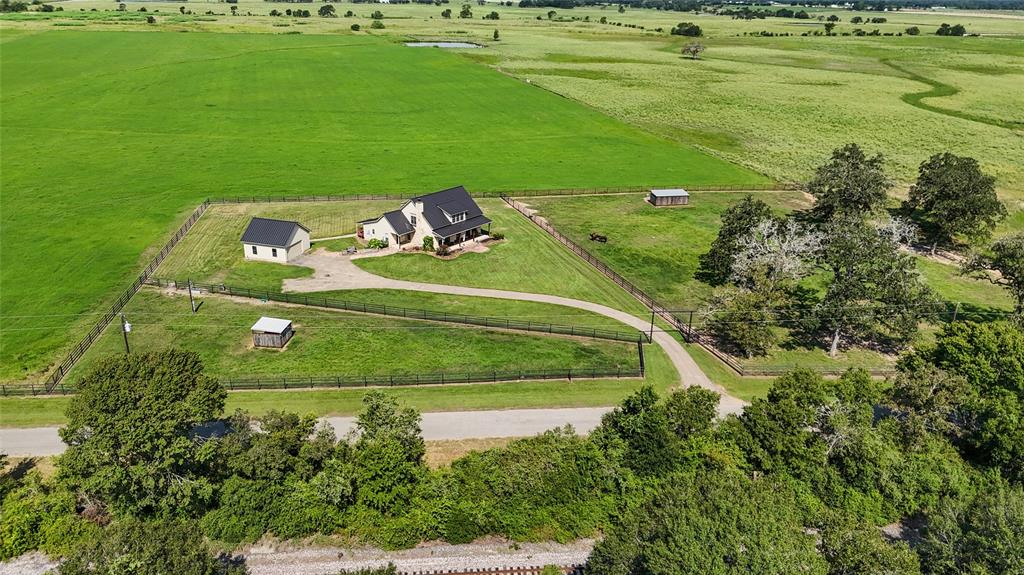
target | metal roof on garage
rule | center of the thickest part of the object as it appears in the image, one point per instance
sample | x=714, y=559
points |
x=268, y=232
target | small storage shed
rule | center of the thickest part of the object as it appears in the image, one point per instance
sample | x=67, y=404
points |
x=271, y=332
x=669, y=197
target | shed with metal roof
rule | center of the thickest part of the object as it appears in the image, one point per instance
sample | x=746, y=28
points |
x=669, y=197
x=271, y=332
x=272, y=240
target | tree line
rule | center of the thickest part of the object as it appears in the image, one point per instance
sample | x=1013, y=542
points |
x=802, y=480
x=841, y=273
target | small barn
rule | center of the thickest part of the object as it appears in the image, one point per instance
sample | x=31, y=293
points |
x=271, y=332
x=669, y=197
x=274, y=240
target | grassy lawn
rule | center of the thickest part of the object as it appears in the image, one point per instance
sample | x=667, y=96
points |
x=974, y=295
x=482, y=306
x=211, y=251
x=528, y=260
x=338, y=343
x=149, y=124
x=39, y=411
x=655, y=248
x=334, y=245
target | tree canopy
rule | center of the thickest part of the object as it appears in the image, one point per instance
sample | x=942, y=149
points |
x=955, y=199
x=737, y=222
x=849, y=184
x=133, y=437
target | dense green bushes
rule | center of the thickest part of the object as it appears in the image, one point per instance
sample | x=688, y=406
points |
x=802, y=479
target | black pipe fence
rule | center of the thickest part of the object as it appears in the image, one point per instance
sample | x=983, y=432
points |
x=57, y=375
x=684, y=327
x=407, y=380
x=409, y=313
x=500, y=194
x=381, y=380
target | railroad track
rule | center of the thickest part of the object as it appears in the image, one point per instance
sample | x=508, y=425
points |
x=532, y=570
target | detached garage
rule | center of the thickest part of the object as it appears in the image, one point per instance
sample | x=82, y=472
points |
x=271, y=332
x=669, y=197
x=274, y=240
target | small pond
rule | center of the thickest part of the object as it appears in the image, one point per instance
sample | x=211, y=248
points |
x=443, y=45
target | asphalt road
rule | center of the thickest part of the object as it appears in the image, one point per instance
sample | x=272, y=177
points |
x=43, y=441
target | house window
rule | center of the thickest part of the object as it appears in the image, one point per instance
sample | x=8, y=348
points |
x=412, y=220
x=254, y=250
x=273, y=252
x=458, y=217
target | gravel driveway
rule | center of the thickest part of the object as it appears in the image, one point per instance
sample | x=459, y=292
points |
x=335, y=271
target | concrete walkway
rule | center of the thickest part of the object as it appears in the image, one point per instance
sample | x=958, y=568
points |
x=335, y=271
x=44, y=441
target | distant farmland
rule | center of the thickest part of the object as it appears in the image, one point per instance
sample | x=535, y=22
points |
x=104, y=152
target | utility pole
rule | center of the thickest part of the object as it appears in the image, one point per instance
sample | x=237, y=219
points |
x=191, y=301
x=650, y=336
x=125, y=328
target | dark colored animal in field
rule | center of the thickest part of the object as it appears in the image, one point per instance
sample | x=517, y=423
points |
x=596, y=237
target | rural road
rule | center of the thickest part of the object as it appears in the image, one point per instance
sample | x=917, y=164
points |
x=44, y=441
x=335, y=271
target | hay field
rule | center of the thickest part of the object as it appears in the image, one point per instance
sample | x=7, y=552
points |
x=105, y=152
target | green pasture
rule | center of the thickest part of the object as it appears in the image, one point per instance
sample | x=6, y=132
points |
x=482, y=306
x=104, y=153
x=658, y=248
x=655, y=248
x=211, y=251
x=330, y=343
x=38, y=411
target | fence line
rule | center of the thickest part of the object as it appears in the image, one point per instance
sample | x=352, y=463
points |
x=685, y=328
x=386, y=380
x=57, y=376
x=409, y=313
x=498, y=194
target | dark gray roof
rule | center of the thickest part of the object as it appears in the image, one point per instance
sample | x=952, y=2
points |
x=399, y=222
x=267, y=232
x=454, y=201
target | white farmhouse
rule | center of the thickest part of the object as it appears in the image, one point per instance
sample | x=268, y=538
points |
x=449, y=216
x=274, y=240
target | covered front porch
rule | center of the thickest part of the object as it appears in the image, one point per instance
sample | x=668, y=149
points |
x=473, y=235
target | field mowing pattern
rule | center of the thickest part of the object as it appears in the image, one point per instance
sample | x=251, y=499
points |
x=105, y=152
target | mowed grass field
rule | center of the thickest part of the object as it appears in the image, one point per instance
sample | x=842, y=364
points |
x=105, y=152
x=331, y=343
x=777, y=104
x=47, y=410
